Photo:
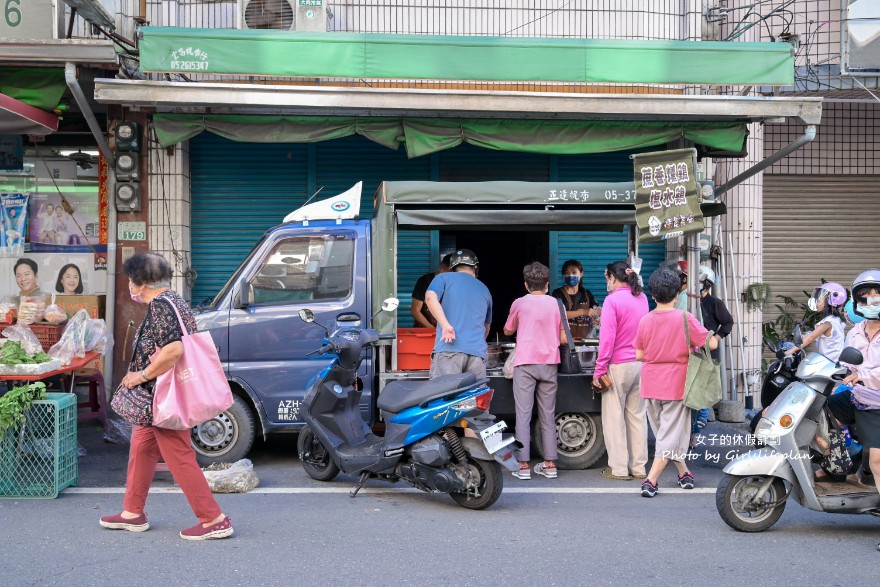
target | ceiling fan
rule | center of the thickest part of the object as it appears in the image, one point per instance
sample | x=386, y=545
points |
x=84, y=159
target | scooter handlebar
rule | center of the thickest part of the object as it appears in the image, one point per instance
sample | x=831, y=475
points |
x=387, y=336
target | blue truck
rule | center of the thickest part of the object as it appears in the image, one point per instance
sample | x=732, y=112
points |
x=324, y=258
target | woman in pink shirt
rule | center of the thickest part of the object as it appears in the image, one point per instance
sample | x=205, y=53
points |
x=623, y=411
x=661, y=343
x=537, y=320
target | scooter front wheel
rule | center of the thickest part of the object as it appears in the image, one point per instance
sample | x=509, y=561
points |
x=733, y=500
x=485, y=488
x=314, y=457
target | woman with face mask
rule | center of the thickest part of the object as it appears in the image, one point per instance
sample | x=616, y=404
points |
x=580, y=305
x=861, y=404
x=157, y=347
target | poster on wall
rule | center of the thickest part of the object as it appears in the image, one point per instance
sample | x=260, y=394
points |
x=70, y=274
x=13, y=219
x=67, y=221
x=667, y=195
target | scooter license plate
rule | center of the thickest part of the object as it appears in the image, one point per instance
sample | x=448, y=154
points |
x=492, y=438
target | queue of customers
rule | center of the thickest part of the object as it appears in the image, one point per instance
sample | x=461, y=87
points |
x=642, y=357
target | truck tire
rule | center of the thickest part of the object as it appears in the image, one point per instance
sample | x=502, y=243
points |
x=226, y=438
x=579, y=440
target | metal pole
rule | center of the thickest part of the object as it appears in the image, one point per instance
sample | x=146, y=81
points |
x=716, y=232
x=742, y=353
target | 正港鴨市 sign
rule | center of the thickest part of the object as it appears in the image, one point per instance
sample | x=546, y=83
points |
x=667, y=194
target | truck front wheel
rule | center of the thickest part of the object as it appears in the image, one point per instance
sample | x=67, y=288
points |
x=227, y=437
x=579, y=440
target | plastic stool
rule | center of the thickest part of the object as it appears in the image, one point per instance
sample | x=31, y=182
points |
x=97, y=401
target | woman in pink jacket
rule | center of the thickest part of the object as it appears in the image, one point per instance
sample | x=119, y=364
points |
x=624, y=425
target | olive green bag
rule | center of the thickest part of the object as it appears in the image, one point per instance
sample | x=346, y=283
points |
x=702, y=388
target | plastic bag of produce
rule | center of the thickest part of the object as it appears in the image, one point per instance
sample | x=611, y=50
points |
x=30, y=309
x=239, y=477
x=25, y=336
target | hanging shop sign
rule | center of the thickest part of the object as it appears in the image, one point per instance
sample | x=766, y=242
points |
x=667, y=194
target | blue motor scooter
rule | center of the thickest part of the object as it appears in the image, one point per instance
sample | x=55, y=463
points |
x=425, y=443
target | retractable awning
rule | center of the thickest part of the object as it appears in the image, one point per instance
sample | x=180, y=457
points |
x=18, y=118
x=426, y=121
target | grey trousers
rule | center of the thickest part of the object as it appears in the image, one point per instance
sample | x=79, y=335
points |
x=454, y=363
x=530, y=382
x=671, y=422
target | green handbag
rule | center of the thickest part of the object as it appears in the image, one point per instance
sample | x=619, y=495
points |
x=702, y=388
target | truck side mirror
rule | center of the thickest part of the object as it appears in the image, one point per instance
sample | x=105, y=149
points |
x=244, y=294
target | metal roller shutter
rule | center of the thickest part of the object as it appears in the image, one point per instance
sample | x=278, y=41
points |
x=413, y=260
x=238, y=191
x=817, y=227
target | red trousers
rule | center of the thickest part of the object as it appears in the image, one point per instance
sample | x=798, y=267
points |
x=147, y=445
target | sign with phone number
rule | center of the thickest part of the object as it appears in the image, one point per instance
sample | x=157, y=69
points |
x=131, y=231
x=26, y=19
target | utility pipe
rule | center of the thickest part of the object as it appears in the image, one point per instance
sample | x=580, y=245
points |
x=742, y=352
x=809, y=135
x=85, y=108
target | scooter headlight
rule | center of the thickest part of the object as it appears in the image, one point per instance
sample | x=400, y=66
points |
x=764, y=433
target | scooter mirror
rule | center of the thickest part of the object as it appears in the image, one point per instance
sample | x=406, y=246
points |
x=390, y=304
x=851, y=356
x=307, y=315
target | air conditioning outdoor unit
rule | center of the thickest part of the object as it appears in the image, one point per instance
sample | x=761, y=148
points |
x=860, y=38
x=283, y=15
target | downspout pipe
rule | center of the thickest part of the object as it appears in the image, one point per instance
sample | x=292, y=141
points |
x=86, y=109
x=808, y=136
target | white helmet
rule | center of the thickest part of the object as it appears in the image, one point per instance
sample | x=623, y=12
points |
x=707, y=276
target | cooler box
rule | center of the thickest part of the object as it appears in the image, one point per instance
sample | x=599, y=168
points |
x=414, y=347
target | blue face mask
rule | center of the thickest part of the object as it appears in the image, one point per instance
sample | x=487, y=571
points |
x=572, y=280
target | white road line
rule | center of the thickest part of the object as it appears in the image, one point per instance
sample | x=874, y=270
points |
x=399, y=490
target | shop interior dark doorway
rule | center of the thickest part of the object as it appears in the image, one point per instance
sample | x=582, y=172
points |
x=502, y=256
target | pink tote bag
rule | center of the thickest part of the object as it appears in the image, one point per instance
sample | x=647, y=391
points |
x=195, y=389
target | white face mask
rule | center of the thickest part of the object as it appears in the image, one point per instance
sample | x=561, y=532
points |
x=871, y=308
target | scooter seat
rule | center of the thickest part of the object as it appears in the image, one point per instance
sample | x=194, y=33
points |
x=399, y=395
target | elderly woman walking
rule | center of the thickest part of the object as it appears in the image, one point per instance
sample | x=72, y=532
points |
x=149, y=281
x=623, y=411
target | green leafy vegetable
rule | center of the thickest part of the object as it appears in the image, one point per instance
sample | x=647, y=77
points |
x=14, y=405
x=12, y=353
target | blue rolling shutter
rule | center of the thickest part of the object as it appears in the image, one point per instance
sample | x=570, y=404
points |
x=595, y=250
x=413, y=260
x=343, y=162
x=469, y=163
x=652, y=254
x=239, y=190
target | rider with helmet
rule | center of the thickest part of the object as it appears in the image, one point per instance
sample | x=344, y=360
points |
x=716, y=316
x=861, y=405
x=462, y=305
x=828, y=300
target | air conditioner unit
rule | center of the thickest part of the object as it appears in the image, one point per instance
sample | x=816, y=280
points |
x=283, y=15
x=860, y=38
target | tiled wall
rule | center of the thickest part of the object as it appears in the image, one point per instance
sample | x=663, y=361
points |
x=847, y=142
x=169, y=201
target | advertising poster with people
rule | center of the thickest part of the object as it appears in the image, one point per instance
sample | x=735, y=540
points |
x=67, y=221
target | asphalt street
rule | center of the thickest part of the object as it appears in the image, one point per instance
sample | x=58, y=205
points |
x=579, y=529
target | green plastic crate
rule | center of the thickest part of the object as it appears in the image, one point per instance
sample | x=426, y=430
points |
x=39, y=458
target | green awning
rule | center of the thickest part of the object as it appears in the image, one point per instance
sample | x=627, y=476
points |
x=385, y=56
x=40, y=87
x=422, y=136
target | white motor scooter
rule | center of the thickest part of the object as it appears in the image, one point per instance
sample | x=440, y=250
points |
x=756, y=485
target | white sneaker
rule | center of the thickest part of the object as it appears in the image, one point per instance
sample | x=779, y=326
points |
x=524, y=472
x=545, y=470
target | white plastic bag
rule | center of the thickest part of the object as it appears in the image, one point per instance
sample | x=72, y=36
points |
x=507, y=369
x=24, y=335
x=239, y=477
